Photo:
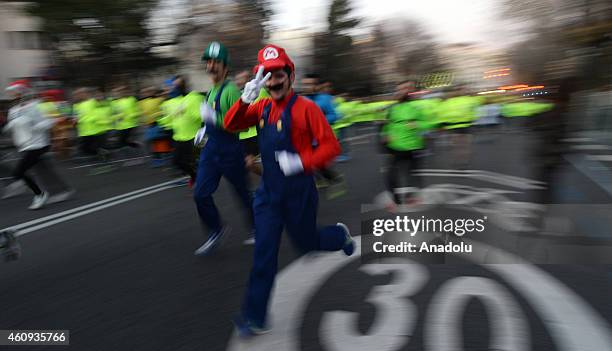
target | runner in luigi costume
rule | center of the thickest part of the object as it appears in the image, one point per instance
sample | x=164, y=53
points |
x=223, y=154
x=287, y=125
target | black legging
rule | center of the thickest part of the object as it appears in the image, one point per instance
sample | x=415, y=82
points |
x=184, y=157
x=30, y=158
x=90, y=144
x=125, y=137
x=394, y=172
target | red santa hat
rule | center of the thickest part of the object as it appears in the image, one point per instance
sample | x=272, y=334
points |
x=21, y=86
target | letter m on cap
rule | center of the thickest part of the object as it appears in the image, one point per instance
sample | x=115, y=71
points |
x=270, y=53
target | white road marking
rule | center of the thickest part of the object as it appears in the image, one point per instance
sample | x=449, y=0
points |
x=110, y=162
x=396, y=316
x=491, y=177
x=603, y=158
x=114, y=199
x=572, y=323
x=591, y=147
x=577, y=140
x=295, y=286
x=364, y=136
x=479, y=172
x=362, y=142
x=508, y=324
x=91, y=210
x=586, y=166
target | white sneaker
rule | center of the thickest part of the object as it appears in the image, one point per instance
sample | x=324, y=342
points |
x=15, y=188
x=212, y=243
x=39, y=201
x=250, y=240
x=63, y=196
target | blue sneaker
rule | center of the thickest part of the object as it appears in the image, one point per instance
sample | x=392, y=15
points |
x=247, y=328
x=211, y=244
x=349, y=244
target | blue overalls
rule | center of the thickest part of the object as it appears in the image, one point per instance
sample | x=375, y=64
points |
x=221, y=156
x=282, y=201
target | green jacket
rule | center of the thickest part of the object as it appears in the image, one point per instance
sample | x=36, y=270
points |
x=168, y=109
x=404, y=127
x=49, y=109
x=429, y=109
x=458, y=112
x=525, y=109
x=86, y=113
x=185, y=116
x=126, y=112
x=358, y=112
x=104, y=116
x=252, y=132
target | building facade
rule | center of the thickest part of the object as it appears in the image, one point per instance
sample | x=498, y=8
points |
x=23, y=49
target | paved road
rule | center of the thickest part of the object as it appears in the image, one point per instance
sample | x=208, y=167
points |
x=115, y=266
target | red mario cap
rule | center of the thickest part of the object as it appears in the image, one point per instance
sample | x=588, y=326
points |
x=272, y=58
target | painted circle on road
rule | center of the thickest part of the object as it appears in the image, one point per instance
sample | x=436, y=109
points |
x=572, y=323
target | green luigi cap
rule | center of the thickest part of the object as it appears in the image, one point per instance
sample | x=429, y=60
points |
x=216, y=51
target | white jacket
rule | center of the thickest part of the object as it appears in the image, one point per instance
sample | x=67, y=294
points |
x=29, y=128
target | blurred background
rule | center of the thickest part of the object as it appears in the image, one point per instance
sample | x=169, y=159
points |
x=364, y=47
x=515, y=100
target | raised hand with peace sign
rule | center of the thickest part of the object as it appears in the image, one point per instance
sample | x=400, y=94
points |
x=252, y=88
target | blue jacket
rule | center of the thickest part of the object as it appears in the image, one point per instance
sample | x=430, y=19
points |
x=327, y=105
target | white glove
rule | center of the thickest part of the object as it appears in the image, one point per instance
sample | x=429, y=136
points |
x=289, y=163
x=252, y=88
x=199, y=136
x=208, y=114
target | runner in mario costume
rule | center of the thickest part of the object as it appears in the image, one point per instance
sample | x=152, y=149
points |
x=288, y=126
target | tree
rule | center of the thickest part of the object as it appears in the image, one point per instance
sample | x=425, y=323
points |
x=96, y=40
x=241, y=25
x=335, y=56
x=339, y=18
x=246, y=36
x=570, y=35
x=412, y=49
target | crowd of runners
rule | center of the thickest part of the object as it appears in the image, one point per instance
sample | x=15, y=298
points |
x=252, y=128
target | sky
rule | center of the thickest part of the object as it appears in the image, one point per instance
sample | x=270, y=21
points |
x=450, y=21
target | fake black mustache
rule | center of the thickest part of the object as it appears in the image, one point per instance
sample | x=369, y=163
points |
x=276, y=87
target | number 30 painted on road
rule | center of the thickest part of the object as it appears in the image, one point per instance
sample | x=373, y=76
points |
x=572, y=323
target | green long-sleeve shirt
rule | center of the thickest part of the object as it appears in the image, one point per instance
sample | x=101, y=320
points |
x=404, y=127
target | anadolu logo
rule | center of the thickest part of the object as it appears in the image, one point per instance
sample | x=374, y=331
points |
x=270, y=53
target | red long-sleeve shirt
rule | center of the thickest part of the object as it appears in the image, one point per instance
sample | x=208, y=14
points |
x=308, y=124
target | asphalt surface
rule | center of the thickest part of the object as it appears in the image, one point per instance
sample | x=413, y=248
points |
x=123, y=275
